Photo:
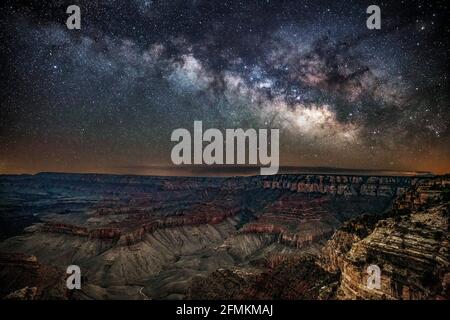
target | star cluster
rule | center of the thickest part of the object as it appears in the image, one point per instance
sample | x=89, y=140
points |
x=107, y=97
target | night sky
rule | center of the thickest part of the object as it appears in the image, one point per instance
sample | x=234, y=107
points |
x=107, y=97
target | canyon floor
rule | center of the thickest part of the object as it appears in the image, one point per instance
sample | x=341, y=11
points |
x=264, y=237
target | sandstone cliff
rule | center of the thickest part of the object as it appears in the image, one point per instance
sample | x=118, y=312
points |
x=243, y=237
x=409, y=244
x=288, y=277
x=31, y=280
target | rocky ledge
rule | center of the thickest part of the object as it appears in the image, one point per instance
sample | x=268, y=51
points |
x=410, y=245
x=32, y=280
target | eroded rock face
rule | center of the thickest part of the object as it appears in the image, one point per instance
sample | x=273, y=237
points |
x=412, y=253
x=333, y=254
x=341, y=185
x=288, y=277
x=299, y=219
x=311, y=207
x=73, y=230
x=26, y=293
x=409, y=244
x=22, y=277
x=244, y=237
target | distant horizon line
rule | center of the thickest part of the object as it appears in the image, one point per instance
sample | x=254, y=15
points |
x=233, y=171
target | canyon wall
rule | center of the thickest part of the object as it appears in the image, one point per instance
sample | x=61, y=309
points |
x=409, y=244
x=284, y=236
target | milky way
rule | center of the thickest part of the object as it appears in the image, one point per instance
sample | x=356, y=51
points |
x=107, y=97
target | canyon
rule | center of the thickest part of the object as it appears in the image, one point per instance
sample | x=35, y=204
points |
x=292, y=236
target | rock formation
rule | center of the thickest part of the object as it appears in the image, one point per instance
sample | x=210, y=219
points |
x=22, y=277
x=409, y=244
x=277, y=237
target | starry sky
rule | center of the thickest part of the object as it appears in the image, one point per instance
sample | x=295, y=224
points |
x=107, y=97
